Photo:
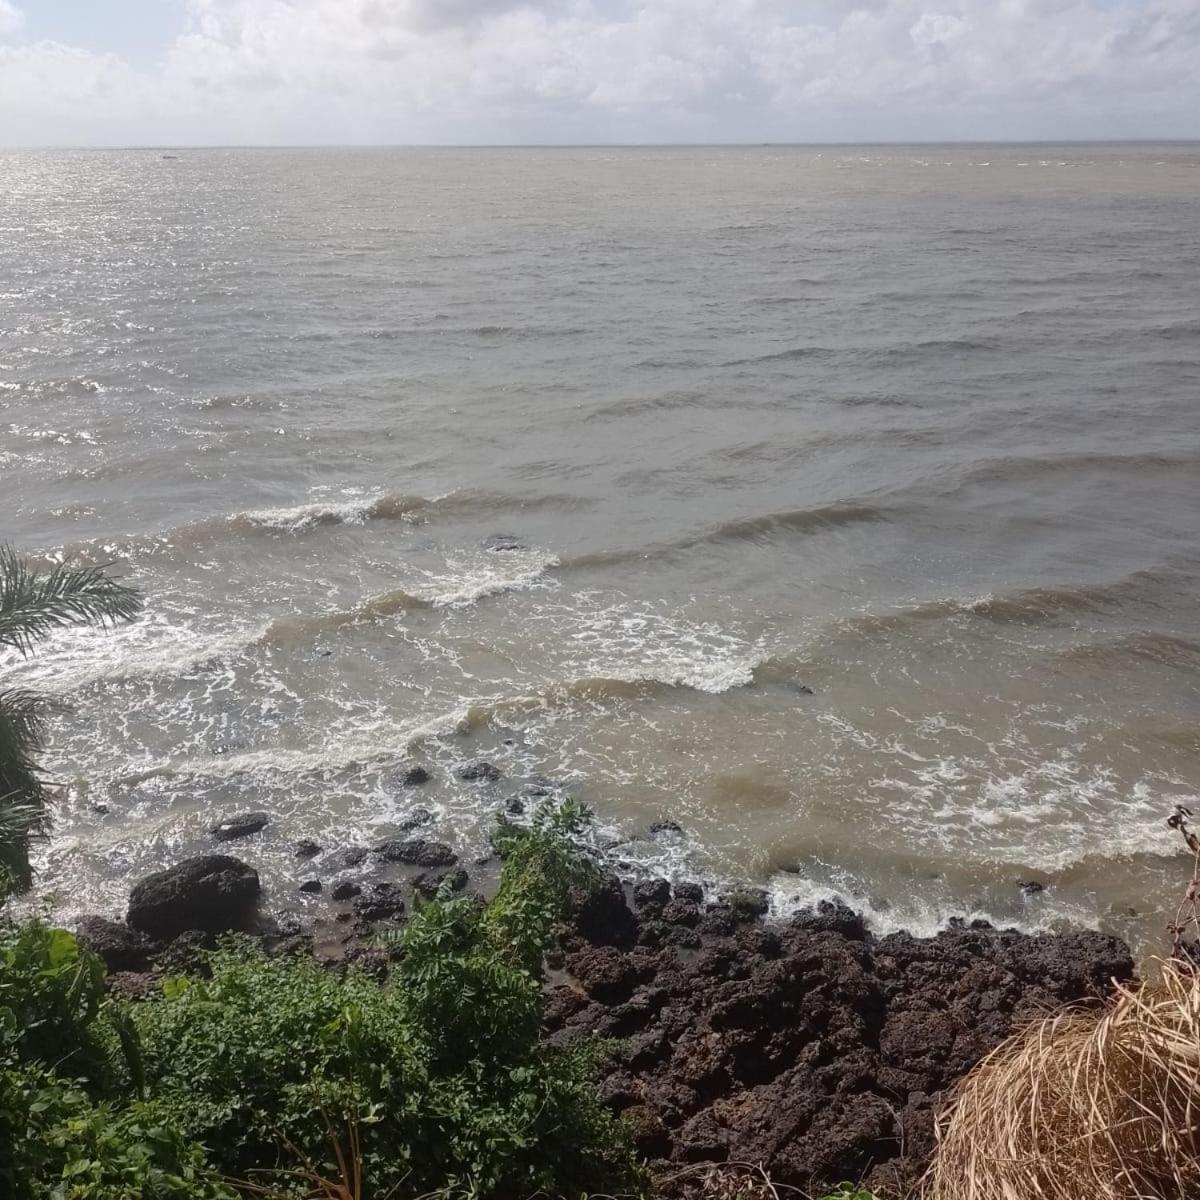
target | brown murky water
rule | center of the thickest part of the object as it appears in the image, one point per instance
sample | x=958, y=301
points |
x=916, y=429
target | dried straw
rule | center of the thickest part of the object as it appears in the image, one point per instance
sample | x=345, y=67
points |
x=1084, y=1105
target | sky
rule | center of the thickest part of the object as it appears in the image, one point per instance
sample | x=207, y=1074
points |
x=184, y=72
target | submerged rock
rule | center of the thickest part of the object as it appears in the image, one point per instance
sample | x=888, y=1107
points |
x=240, y=826
x=502, y=542
x=346, y=890
x=414, y=776
x=211, y=892
x=312, y=886
x=479, y=771
x=307, y=848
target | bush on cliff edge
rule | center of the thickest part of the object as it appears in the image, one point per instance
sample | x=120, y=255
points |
x=441, y=1072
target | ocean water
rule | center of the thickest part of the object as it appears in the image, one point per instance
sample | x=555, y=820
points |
x=857, y=492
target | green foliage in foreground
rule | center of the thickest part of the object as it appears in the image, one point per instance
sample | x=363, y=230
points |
x=268, y=1063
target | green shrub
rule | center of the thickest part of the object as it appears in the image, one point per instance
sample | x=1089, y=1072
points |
x=54, y=1012
x=443, y=1072
x=57, y=1143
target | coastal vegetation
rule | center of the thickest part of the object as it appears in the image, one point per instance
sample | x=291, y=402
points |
x=434, y=1082
x=33, y=604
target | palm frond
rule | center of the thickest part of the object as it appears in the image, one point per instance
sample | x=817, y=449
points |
x=34, y=603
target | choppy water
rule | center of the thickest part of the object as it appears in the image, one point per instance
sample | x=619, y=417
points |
x=916, y=428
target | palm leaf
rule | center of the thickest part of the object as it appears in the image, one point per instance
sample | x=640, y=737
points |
x=34, y=603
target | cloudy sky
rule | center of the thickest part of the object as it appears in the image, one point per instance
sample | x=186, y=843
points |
x=86, y=72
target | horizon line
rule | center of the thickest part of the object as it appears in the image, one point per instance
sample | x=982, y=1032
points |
x=692, y=145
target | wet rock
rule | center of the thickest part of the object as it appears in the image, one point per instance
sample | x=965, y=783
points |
x=1031, y=887
x=415, y=819
x=748, y=903
x=416, y=852
x=414, y=776
x=383, y=903
x=514, y=806
x=692, y=892
x=240, y=826
x=101, y=810
x=664, y=827
x=501, y=542
x=355, y=856
x=648, y=893
x=209, y=892
x=479, y=771
x=307, y=848
x=120, y=948
x=832, y=916
x=312, y=886
x=346, y=890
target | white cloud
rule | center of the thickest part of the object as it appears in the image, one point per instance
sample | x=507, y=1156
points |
x=397, y=70
x=11, y=18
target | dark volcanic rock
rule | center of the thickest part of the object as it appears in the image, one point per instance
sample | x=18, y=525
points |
x=648, y=893
x=417, y=852
x=414, y=777
x=311, y=885
x=479, y=771
x=240, y=826
x=210, y=892
x=307, y=848
x=603, y=916
x=811, y=1047
x=121, y=948
x=346, y=890
x=355, y=856
x=382, y=903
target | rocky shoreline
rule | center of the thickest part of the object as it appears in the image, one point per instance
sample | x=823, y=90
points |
x=808, y=1045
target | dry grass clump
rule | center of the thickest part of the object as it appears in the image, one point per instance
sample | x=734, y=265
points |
x=1103, y=1105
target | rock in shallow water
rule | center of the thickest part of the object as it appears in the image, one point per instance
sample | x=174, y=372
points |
x=479, y=771
x=417, y=852
x=240, y=826
x=503, y=542
x=212, y=892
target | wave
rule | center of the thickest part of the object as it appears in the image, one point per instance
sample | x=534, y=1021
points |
x=371, y=744
x=1027, y=606
x=455, y=590
x=1019, y=468
x=302, y=517
x=793, y=354
x=1160, y=649
x=754, y=529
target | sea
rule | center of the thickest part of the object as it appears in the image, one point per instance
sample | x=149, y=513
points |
x=826, y=518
